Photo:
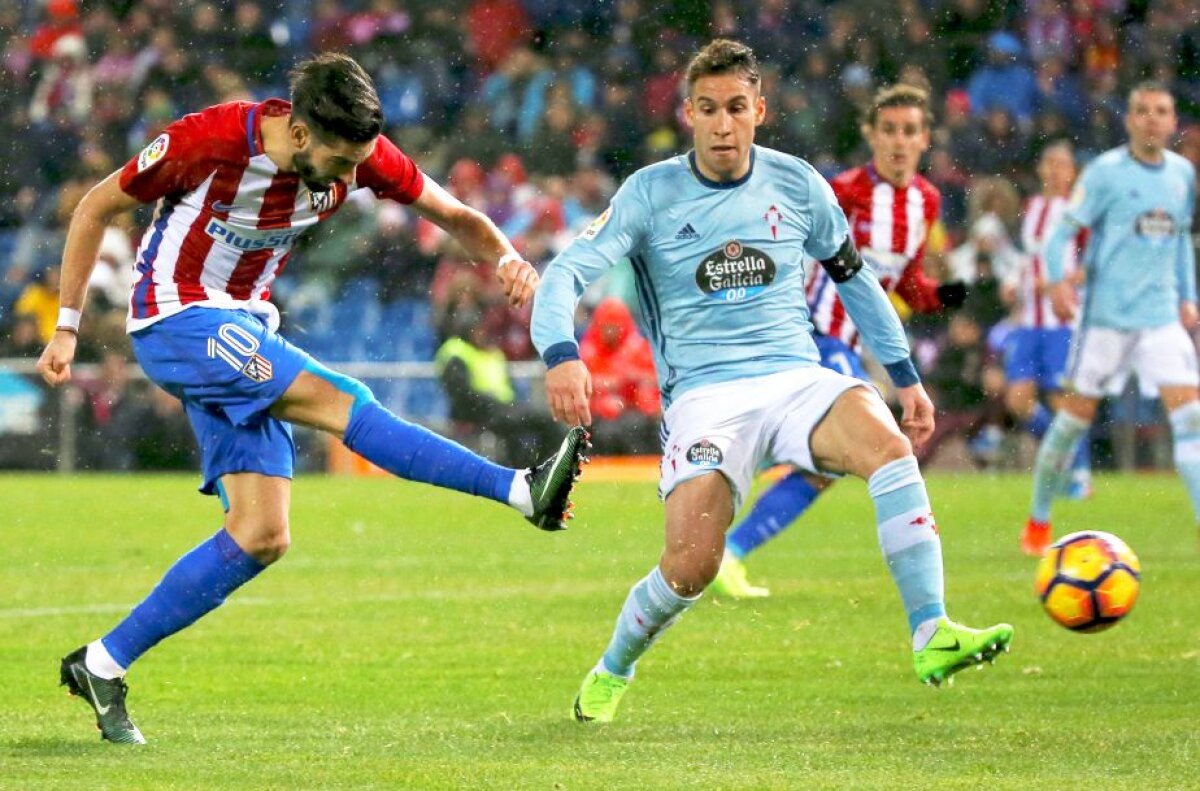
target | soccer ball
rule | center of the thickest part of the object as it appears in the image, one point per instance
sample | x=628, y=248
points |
x=1088, y=581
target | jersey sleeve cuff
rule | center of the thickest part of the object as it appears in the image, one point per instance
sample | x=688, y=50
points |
x=561, y=352
x=903, y=373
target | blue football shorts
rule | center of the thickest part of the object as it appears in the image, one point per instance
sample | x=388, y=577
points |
x=1037, y=354
x=228, y=368
x=837, y=356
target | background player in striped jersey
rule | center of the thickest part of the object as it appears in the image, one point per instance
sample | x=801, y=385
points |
x=235, y=185
x=1137, y=202
x=738, y=369
x=890, y=208
x=1035, y=352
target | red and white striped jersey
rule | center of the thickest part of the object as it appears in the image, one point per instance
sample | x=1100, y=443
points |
x=1042, y=214
x=227, y=217
x=890, y=226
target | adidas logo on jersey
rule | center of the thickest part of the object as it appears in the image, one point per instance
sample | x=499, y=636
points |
x=687, y=232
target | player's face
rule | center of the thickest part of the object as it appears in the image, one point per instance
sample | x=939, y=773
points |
x=1056, y=169
x=319, y=163
x=1151, y=121
x=723, y=110
x=897, y=140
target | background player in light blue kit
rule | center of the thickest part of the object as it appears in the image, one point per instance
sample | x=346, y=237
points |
x=1137, y=201
x=718, y=239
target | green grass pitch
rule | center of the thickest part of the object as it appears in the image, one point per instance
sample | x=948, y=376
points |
x=420, y=639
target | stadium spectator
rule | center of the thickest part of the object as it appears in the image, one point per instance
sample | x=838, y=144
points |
x=474, y=373
x=625, y=402
x=1004, y=81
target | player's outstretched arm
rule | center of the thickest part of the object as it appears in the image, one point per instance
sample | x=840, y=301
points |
x=97, y=209
x=482, y=240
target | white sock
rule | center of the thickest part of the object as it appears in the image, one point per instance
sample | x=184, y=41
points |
x=100, y=663
x=518, y=493
x=924, y=633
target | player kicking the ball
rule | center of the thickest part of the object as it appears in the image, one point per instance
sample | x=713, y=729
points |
x=235, y=185
x=739, y=372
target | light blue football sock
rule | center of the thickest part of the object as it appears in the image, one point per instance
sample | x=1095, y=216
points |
x=1185, y=426
x=779, y=506
x=417, y=454
x=650, y=608
x=909, y=539
x=1054, y=458
x=197, y=584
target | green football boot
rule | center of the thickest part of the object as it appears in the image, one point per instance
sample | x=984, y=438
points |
x=954, y=647
x=731, y=581
x=106, y=697
x=599, y=696
x=550, y=482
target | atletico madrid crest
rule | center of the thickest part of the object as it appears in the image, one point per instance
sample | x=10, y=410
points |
x=258, y=369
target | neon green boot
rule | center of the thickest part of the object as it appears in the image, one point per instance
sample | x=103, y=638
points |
x=731, y=581
x=954, y=647
x=599, y=696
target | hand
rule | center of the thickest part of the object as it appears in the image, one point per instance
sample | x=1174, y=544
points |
x=1188, y=315
x=917, y=420
x=568, y=390
x=1063, y=300
x=55, y=363
x=520, y=280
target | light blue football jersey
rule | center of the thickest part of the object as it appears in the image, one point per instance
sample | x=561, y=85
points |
x=719, y=269
x=1139, y=258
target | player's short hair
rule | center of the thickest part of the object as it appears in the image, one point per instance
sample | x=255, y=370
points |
x=1058, y=144
x=336, y=98
x=724, y=56
x=900, y=95
x=1149, y=86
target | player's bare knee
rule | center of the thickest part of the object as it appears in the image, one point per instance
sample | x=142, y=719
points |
x=265, y=540
x=689, y=568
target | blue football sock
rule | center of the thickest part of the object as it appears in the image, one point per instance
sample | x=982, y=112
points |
x=779, y=506
x=197, y=583
x=1185, y=426
x=1053, y=462
x=650, y=608
x=417, y=454
x=909, y=539
x=1039, y=423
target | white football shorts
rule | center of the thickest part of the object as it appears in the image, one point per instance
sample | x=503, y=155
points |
x=1102, y=358
x=735, y=427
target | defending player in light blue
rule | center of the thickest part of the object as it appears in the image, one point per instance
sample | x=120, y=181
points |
x=718, y=238
x=1137, y=201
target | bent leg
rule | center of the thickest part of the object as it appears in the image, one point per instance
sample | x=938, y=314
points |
x=860, y=436
x=698, y=512
x=255, y=535
x=325, y=400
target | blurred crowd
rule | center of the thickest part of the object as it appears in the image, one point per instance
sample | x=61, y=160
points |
x=534, y=110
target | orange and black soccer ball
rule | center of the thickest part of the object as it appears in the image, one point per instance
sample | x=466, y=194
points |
x=1088, y=581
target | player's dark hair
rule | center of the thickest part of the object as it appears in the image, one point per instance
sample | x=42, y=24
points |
x=1058, y=144
x=336, y=98
x=900, y=95
x=1149, y=86
x=723, y=56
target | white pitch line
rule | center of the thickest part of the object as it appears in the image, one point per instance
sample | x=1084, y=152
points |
x=558, y=591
